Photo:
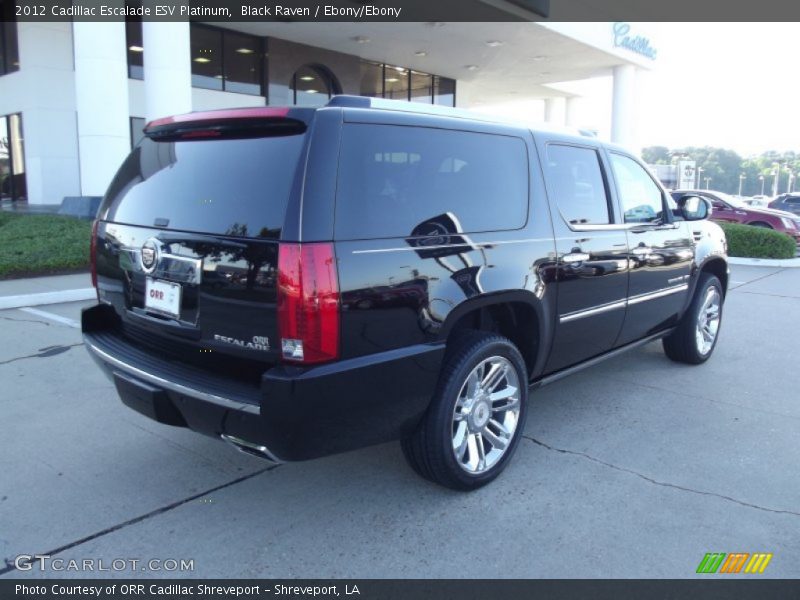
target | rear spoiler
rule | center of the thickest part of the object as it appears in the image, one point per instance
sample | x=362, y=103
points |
x=234, y=123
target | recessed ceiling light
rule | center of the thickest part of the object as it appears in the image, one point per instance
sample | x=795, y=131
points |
x=306, y=78
x=244, y=50
x=392, y=80
x=539, y=58
x=420, y=53
x=311, y=92
x=471, y=67
x=400, y=69
x=135, y=48
x=202, y=59
x=494, y=43
x=360, y=39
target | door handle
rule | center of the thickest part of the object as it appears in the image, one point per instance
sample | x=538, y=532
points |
x=575, y=257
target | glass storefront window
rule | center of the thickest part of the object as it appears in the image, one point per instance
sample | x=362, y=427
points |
x=137, y=130
x=206, y=57
x=221, y=59
x=444, y=91
x=395, y=83
x=371, y=79
x=242, y=63
x=12, y=159
x=312, y=86
x=421, y=87
x=9, y=50
x=133, y=38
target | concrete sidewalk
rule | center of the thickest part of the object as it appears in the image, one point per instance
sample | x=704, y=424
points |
x=36, y=291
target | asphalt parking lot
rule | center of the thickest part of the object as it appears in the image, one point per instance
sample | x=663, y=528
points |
x=635, y=468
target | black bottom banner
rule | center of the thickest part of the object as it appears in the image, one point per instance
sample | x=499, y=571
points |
x=367, y=589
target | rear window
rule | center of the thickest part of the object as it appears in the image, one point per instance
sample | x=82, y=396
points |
x=394, y=180
x=237, y=187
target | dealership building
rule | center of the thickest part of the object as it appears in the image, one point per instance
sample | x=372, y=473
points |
x=74, y=96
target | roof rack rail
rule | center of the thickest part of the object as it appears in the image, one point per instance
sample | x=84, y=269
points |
x=347, y=101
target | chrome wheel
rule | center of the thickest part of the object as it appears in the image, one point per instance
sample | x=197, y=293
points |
x=486, y=414
x=708, y=321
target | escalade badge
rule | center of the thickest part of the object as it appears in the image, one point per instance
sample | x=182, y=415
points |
x=259, y=342
x=149, y=255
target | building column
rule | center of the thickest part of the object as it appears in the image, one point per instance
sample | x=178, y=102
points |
x=555, y=110
x=167, y=69
x=623, y=106
x=101, y=102
x=572, y=111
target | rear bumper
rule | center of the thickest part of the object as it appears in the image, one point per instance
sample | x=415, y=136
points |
x=295, y=413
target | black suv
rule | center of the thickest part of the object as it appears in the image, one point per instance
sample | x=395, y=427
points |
x=788, y=202
x=301, y=282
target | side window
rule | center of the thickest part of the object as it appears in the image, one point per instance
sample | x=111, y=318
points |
x=716, y=203
x=641, y=198
x=577, y=181
x=398, y=181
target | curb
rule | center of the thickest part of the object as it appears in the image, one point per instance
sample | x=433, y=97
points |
x=765, y=262
x=47, y=298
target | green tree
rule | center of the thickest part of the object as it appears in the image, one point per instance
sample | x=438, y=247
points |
x=656, y=155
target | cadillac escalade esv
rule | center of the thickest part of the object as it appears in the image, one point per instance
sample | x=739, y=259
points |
x=301, y=282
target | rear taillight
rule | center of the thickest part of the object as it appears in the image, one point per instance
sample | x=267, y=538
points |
x=93, y=254
x=308, y=303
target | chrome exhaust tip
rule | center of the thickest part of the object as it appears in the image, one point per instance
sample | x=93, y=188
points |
x=250, y=448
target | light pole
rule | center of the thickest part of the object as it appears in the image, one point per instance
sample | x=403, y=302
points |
x=775, y=174
x=791, y=182
x=699, y=176
x=708, y=179
x=742, y=177
x=761, y=177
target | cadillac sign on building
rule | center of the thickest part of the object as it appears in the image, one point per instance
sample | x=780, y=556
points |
x=635, y=43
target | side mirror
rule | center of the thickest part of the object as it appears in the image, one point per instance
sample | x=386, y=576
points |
x=694, y=208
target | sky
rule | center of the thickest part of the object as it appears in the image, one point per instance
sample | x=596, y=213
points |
x=731, y=85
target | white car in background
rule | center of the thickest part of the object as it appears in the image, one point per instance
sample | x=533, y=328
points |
x=758, y=200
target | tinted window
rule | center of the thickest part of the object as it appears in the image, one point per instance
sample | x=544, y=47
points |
x=242, y=63
x=206, y=49
x=9, y=50
x=577, y=182
x=371, y=79
x=421, y=87
x=444, y=91
x=137, y=130
x=133, y=35
x=395, y=83
x=639, y=195
x=230, y=187
x=312, y=86
x=394, y=180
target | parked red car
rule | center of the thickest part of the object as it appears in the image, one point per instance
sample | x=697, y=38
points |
x=728, y=209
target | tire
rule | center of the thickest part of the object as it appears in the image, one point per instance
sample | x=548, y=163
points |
x=687, y=344
x=463, y=414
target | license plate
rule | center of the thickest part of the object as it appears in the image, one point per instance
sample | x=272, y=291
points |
x=163, y=297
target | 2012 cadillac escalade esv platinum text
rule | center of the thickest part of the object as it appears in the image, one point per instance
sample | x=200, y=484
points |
x=301, y=282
